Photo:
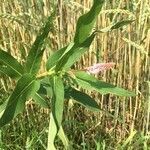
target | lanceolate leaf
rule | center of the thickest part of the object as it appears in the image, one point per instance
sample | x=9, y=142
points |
x=9, y=65
x=91, y=83
x=25, y=88
x=116, y=25
x=52, y=132
x=64, y=139
x=121, y=24
x=82, y=39
x=36, y=52
x=57, y=100
x=54, y=58
x=4, y=70
x=57, y=110
x=82, y=98
x=85, y=22
x=74, y=54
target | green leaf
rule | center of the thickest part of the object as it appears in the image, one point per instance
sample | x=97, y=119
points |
x=25, y=88
x=64, y=139
x=82, y=98
x=53, y=59
x=4, y=70
x=45, y=90
x=35, y=54
x=9, y=65
x=2, y=107
x=83, y=37
x=89, y=82
x=52, y=132
x=121, y=24
x=40, y=100
x=57, y=111
x=74, y=54
x=86, y=22
x=45, y=87
x=57, y=100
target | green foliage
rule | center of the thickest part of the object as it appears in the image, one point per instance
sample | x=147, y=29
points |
x=91, y=83
x=25, y=88
x=35, y=55
x=121, y=23
x=53, y=59
x=86, y=22
x=40, y=100
x=74, y=54
x=82, y=98
x=51, y=83
x=57, y=100
x=9, y=65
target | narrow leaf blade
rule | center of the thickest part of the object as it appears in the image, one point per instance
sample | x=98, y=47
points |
x=9, y=65
x=25, y=87
x=82, y=98
x=121, y=24
x=52, y=132
x=35, y=55
x=40, y=100
x=53, y=59
x=74, y=54
x=89, y=82
x=57, y=100
x=64, y=139
x=86, y=22
x=57, y=110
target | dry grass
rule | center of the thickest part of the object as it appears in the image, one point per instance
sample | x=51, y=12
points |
x=128, y=47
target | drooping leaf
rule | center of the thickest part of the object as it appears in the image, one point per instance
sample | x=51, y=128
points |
x=89, y=82
x=25, y=88
x=52, y=132
x=74, y=54
x=9, y=65
x=54, y=58
x=121, y=24
x=57, y=110
x=64, y=139
x=82, y=98
x=36, y=52
x=86, y=22
x=57, y=100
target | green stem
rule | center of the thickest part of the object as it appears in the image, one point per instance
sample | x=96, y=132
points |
x=45, y=74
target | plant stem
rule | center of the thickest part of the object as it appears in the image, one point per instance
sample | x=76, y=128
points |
x=45, y=74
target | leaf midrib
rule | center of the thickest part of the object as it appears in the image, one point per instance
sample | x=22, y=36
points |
x=7, y=64
x=22, y=91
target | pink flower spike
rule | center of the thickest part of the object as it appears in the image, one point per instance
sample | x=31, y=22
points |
x=96, y=68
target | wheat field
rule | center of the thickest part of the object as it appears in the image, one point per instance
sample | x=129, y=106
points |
x=128, y=126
